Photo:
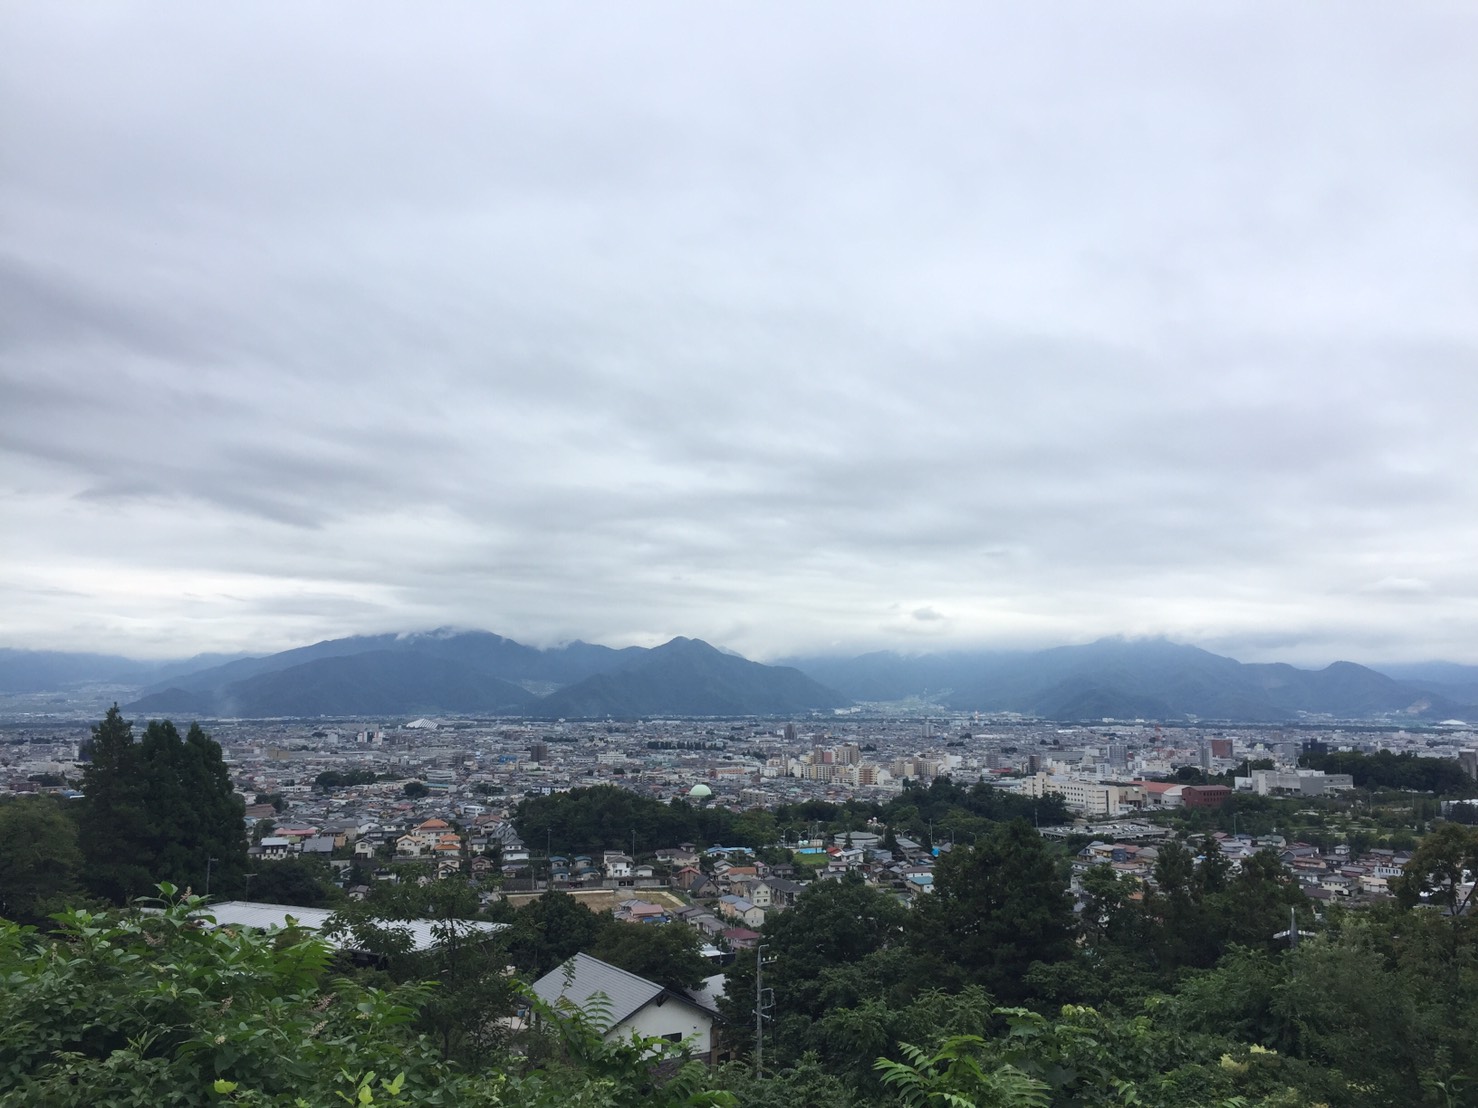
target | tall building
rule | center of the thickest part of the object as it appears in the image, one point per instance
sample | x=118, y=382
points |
x=539, y=752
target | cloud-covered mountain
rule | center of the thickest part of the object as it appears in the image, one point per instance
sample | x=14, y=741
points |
x=687, y=677
x=478, y=651
x=1121, y=678
x=482, y=673
x=378, y=682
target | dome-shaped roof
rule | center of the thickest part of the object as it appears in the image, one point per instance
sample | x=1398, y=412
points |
x=700, y=790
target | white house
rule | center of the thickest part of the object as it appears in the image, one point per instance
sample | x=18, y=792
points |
x=632, y=1004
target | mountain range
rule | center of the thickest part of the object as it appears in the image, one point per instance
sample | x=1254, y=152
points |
x=479, y=673
x=1147, y=679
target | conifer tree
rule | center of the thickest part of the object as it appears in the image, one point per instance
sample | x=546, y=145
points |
x=160, y=809
x=114, y=822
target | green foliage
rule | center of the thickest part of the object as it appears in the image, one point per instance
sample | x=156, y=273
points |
x=954, y=1077
x=39, y=858
x=331, y=779
x=305, y=882
x=548, y=931
x=1437, y=870
x=154, y=1009
x=1196, y=909
x=667, y=953
x=955, y=812
x=1406, y=771
x=996, y=908
x=804, y=1082
x=1380, y=1009
x=876, y=1026
x=464, y=1016
x=160, y=809
x=586, y=821
x=603, y=817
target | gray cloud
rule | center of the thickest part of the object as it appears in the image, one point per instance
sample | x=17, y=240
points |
x=776, y=327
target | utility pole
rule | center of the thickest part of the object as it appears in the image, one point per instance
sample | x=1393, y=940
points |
x=208, y=863
x=761, y=1005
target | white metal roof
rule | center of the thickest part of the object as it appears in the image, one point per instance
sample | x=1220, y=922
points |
x=246, y=913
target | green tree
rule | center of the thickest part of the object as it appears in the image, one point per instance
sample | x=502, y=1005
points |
x=1180, y=935
x=550, y=930
x=114, y=823
x=39, y=859
x=667, y=954
x=465, y=1015
x=996, y=908
x=836, y=946
x=1257, y=904
x=1437, y=870
x=304, y=882
x=1213, y=869
x=162, y=808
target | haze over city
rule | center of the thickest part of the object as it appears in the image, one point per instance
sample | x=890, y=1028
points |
x=794, y=330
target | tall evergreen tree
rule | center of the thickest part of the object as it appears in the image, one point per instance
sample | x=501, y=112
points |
x=114, y=820
x=160, y=809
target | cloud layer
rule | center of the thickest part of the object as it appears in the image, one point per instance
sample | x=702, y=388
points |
x=842, y=327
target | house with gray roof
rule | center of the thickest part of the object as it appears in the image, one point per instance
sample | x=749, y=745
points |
x=628, y=1004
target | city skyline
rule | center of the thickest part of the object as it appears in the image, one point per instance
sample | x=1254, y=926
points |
x=794, y=331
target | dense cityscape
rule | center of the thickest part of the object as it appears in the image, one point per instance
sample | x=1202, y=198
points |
x=366, y=784
x=738, y=556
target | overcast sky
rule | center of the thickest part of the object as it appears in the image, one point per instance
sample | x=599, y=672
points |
x=794, y=328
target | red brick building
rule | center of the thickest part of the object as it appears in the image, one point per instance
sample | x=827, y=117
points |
x=1204, y=796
